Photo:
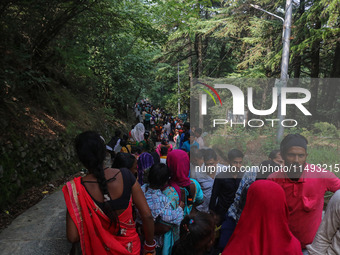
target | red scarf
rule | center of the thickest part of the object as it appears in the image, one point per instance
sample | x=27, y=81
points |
x=96, y=234
x=263, y=226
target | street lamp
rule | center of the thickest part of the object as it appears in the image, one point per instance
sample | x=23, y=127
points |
x=178, y=91
x=287, y=21
x=259, y=8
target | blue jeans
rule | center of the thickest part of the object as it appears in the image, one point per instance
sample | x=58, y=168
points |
x=227, y=229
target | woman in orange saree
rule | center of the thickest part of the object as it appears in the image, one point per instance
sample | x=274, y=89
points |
x=99, y=205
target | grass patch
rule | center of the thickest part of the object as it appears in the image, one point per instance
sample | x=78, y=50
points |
x=326, y=156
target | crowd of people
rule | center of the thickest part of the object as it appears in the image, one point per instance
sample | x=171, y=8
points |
x=160, y=190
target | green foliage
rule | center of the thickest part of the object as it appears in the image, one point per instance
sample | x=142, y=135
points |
x=268, y=144
x=104, y=46
x=227, y=142
x=110, y=113
x=115, y=52
x=325, y=129
x=72, y=129
x=326, y=156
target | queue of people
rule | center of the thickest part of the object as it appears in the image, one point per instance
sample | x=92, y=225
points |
x=139, y=198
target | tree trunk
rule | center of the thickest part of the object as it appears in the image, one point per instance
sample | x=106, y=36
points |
x=200, y=56
x=332, y=88
x=315, y=69
x=222, y=54
x=336, y=62
x=191, y=74
x=298, y=59
x=53, y=28
x=300, y=39
x=191, y=81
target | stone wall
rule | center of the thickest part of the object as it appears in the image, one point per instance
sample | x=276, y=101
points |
x=24, y=164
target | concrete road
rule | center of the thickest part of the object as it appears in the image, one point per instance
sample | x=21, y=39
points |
x=39, y=230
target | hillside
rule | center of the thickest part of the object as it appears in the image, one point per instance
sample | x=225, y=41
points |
x=37, y=143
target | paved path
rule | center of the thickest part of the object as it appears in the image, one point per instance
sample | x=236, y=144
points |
x=39, y=230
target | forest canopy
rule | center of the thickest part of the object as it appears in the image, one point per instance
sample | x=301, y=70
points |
x=117, y=51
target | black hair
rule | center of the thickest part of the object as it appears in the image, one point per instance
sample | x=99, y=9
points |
x=91, y=151
x=200, y=152
x=158, y=175
x=186, y=125
x=164, y=151
x=292, y=140
x=195, y=152
x=209, y=154
x=117, y=133
x=123, y=143
x=112, y=143
x=273, y=154
x=156, y=158
x=123, y=160
x=234, y=153
x=199, y=131
x=136, y=149
x=193, y=231
x=146, y=136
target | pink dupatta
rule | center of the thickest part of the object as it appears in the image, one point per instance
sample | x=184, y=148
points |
x=179, y=164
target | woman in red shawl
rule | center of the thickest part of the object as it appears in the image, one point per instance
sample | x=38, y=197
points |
x=263, y=225
x=99, y=211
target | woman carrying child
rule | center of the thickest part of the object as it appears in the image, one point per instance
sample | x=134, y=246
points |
x=161, y=207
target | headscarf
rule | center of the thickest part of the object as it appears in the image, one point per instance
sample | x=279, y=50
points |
x=138, y=132
x=179, y=166
x=144, y=162
x=155, y=156
x=263, y=225
x=293, y=140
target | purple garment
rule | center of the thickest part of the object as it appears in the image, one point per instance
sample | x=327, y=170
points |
x=145, y=161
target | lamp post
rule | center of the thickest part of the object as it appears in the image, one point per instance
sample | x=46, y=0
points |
x=287, y=21
x=178, y=92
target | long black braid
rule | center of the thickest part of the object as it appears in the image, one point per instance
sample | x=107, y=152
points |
x=91, y=151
